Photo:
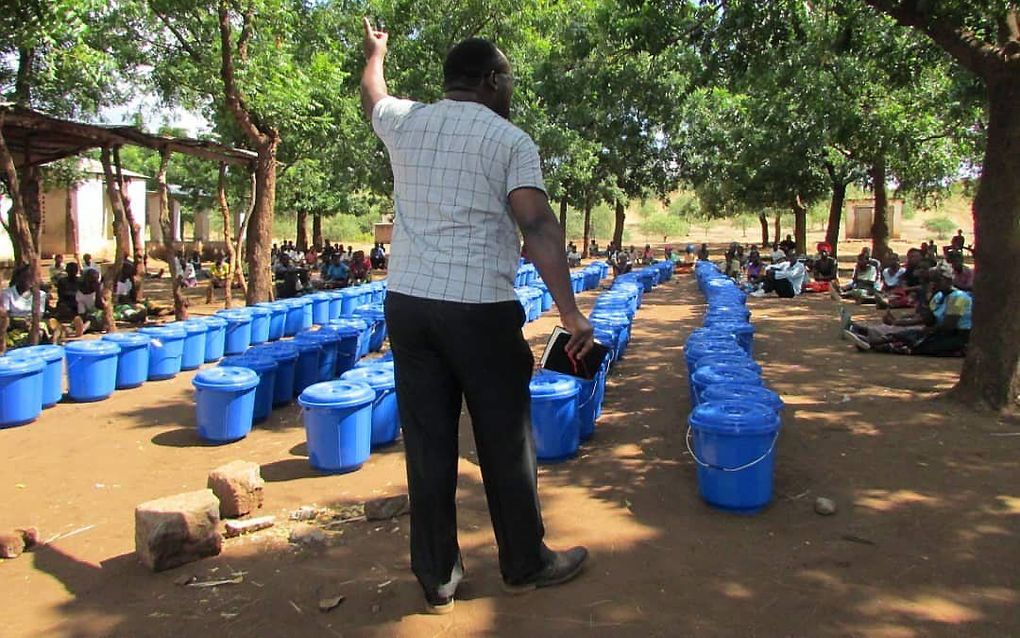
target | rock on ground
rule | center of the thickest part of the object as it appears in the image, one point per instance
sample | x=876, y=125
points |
x=12, y=544
x=176, y=530
x=239, y=487
x=389, y=507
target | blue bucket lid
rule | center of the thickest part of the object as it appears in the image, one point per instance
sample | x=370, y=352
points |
x=296, y=302
x=700, y=349
x=336, y=394
x=376, y=376
x=734, y=417
x=20, y=366
x=165, y=332
x=729, y=361
x=742, y=393
x=735, y=327
x=547, y=386
x=258, y=311
x=252, y=360
x=279, y=350
x=373, y=311
x=128, y=339
x=235, y=316
x=48, y=353
x=307, y=345
x=96, y=347
x=609, y=316
x=320, y=335
x=710, y=375
x=194, y=326
x=275, y=307
x=375, y=363
x=318, y=296
x=350, y=292
x=346, y=331
x=349, y=322
x=213, y=323
x=226, y=378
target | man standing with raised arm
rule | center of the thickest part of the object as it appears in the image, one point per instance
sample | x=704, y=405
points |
x=465, y=180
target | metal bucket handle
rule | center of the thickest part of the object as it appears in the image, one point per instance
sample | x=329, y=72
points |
x=772, y=446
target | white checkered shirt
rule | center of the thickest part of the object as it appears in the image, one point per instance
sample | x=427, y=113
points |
x=454, y=164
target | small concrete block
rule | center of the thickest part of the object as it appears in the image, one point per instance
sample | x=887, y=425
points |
x=247, y=526
x=239, y=487
x=176, y=530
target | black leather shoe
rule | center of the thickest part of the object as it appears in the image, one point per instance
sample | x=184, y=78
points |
x=438, y=605
x=564, y=567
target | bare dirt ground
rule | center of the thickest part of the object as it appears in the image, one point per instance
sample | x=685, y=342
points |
x=924, y=543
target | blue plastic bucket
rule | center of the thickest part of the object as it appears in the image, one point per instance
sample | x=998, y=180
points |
x=587, y=396
x=295, y=322
x=286, y=355
x=364, y=336
x=695, y=350
x=350, y=299
x=729, y=361
x=53, y=374
x=261, y=323
x=193, y=354
x=277, y=318
x=743, y=332
x=376, y=316
x=547, y=300
x=306, y=368
x=706, y=376
x=743, y=394
x=328, y=339
x=91, y=369
x=335, y=304
x=385, y=417
x=618, y=321
x=722, y=314
x=320, y=308
x=238, y=336
x=21, y=390
x=166, y=349
x=133, y=360
x=265, y=366
x=600, y=386
x=647, y=279
x=338, y=425
x=554, y=421
x=215, y=338
x=734, y=445
x=224, y=403
x=349, y=344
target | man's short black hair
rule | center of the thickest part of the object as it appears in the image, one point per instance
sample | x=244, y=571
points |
x=469, y=62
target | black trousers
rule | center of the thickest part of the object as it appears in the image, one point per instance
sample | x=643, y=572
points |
x=781, y=287
x=444, y=353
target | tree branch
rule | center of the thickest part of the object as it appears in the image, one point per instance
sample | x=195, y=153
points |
x=233, y=99
x=980, y=57
x=190, y=50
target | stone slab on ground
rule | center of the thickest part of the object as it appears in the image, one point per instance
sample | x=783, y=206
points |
x=239, y=487
x=176, y=530
x=389, y=507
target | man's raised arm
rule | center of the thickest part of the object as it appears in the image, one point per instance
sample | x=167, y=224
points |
x=373, y=83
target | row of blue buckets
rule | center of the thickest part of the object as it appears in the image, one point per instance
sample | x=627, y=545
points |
x=735, y=421
x=33, y=378
x=564, y=409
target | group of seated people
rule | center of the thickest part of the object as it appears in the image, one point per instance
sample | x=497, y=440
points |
x=73, y=295
x=623, y=261
x=293, y=269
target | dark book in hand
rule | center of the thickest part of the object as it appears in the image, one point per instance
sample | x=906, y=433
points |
x=555, y=357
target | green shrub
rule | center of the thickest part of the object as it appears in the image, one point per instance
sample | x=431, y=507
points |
x=941, y=226
x=664, y=225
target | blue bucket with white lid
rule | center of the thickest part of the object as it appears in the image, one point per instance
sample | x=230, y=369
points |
x=338, y=424
x=166, y=350
x=91, y=369
x=555, y=425
x=285, y=354
x=193, y=353
x=277, y=318
x=266, y=367
x=744, y=394
x=53, y=374
x=733, y=446
x=21, y=390
x=385, y=417
x=133, y=360
x=224, y=402
x=238, y=335
x=261, y=323
x=215, y=337
x=707, y=376
x=306, y=368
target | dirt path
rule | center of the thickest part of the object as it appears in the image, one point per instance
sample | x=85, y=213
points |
x=924, y=544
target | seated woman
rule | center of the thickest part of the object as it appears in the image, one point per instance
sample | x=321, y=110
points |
x=89, y=304
x=755, y=269
x=940, y=328
x=336, y=274
x=647, y=256
x=864, y=281
x=361, y=268
x=824, y=270
x=16, y=302
x=963, y=277
x=573, y=257
x=126, y=305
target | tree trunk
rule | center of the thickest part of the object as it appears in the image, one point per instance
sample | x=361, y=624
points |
x=563, y=215
x=21, y=236
x=301, y=241
x=137, y=247
x=835, y=214
x=260, y=229
x=242, y=233
x=228, y=237
x=31, y=197
x=991, y=375
x=167, y=232
x=880, y=225
x=621, y=216
x=764, y=221
x=777, y=230
x=120, y=234
x=800, y=226
x=587, y=230
x=317, y=232
x=71, y=213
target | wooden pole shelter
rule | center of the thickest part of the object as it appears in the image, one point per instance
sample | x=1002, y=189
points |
x=167, y=232
x=138, y=250
x=120, y=235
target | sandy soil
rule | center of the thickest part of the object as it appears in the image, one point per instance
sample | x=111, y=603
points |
x=924, y=543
